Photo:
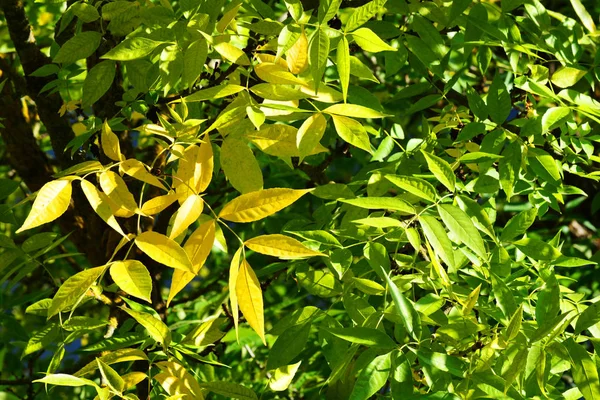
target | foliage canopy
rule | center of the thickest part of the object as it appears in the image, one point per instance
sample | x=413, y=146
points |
x=299, y=199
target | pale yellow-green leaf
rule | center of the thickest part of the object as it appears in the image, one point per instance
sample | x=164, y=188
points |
x=584, y=15
x=297, y=55
x=566, y=77
x=441, y=170
x=110, y=143
x=369, y=41
x=110, y=376
x=342, y=61
x=163, y=250
x=260, y=204
x=471, y=300
x=65, y=380
x=133, y=278
x=281, y=246
x=234, y=269
x=197, y=247
x=310, y=133
x=368, y=286
x=136, y=169
x=227, y=17
x=240, y=166
x=113, y=357
x=353, y=110
x=231, y=53
x=159, y=203
x=131, y=379
x=101, y=205
x=249, y=296
x=115, y=188
x=215, y=92
x=282, y=377
x=352, y=131
x=51, y=201
x=73, y=289
x=155, y=327
x=275, y=73
x=187, y=214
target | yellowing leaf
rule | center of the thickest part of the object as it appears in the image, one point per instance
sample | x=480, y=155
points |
x=206, y=160
x=101, y=205
x=234, y=269
x=282, y=377
x=176, y=381
x=110, y=376
x=215, y=92
x=115, y=188
x=195, y=169
x=231, y=53
x=133, y=278
x=278, y=140
x=342, y=61
x=310, y=133
x=163, y=250
x=159, y=203
x=198, y=248
x=117, y=356
x=187, y=214
x=352, y=132
x=73, y=289
x=110, y=143
x=566, y=77
x=240, y=166
x=51, y=201
x=353, y=110
x=275, y=73
x=297, y=55
x=155, y=327
x=136, y=169
x=249, y=295
x=281, y=246
x=369, y=41
x=260, y=204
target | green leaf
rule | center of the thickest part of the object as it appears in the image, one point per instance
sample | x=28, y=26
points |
x=193, y=61
x=353, y=110
x=477, y=105
x=443, y=362
x=441, y=170
x=584, y=16
x=372, y=377
x=589, y=317
x=41, y=339
x=438, y=238
x=419, y=187
x=328, y=9
x=97, y=82
x=110, y=376
x=378, y=258
x=584, y=370
x=240, y=166
x=461, y=226
x=514, y=325
x=65, y=380
x=365, y=336
x=80, y=46
x=342, y=61
x=155, y=327
x=386, y=203
x=288, y=345
x=537, y=249
x=519, y=224
x=352, y=131
x=410, y=317
x=132, y=49
x=73, y=289
x=230, y=390
x=554, y=117
x=363, y=13
x=318, y=52
x=498, y=101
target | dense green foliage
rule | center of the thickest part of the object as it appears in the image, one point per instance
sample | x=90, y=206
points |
x=299, y=199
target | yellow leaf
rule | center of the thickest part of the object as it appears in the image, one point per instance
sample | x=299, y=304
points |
x=115, y=188
x=133, y=278
x=159, y=203
x=101, y=205
x=281, y=246
x=310, y=133
x=197, y=248
x=278, y=140
x=133, y=378
x=187, y=214
x=51, y=201
x=136, y=169
x=231, y=53
x=275, y=73
x=206, y=160
x=234, y=269
x=270, y=58
x=282, y=377
x=260, y=204
x=240, y=166
x=249, y=296
x=195, y=169
x=353, y=110
x=73, y=289
x=155, y=327
x=297, y=55
x=110, y=143
x=227, y=18
x=175, y=380
x=163, y=250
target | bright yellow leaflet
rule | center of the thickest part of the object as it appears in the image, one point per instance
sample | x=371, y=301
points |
x=260, y=204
